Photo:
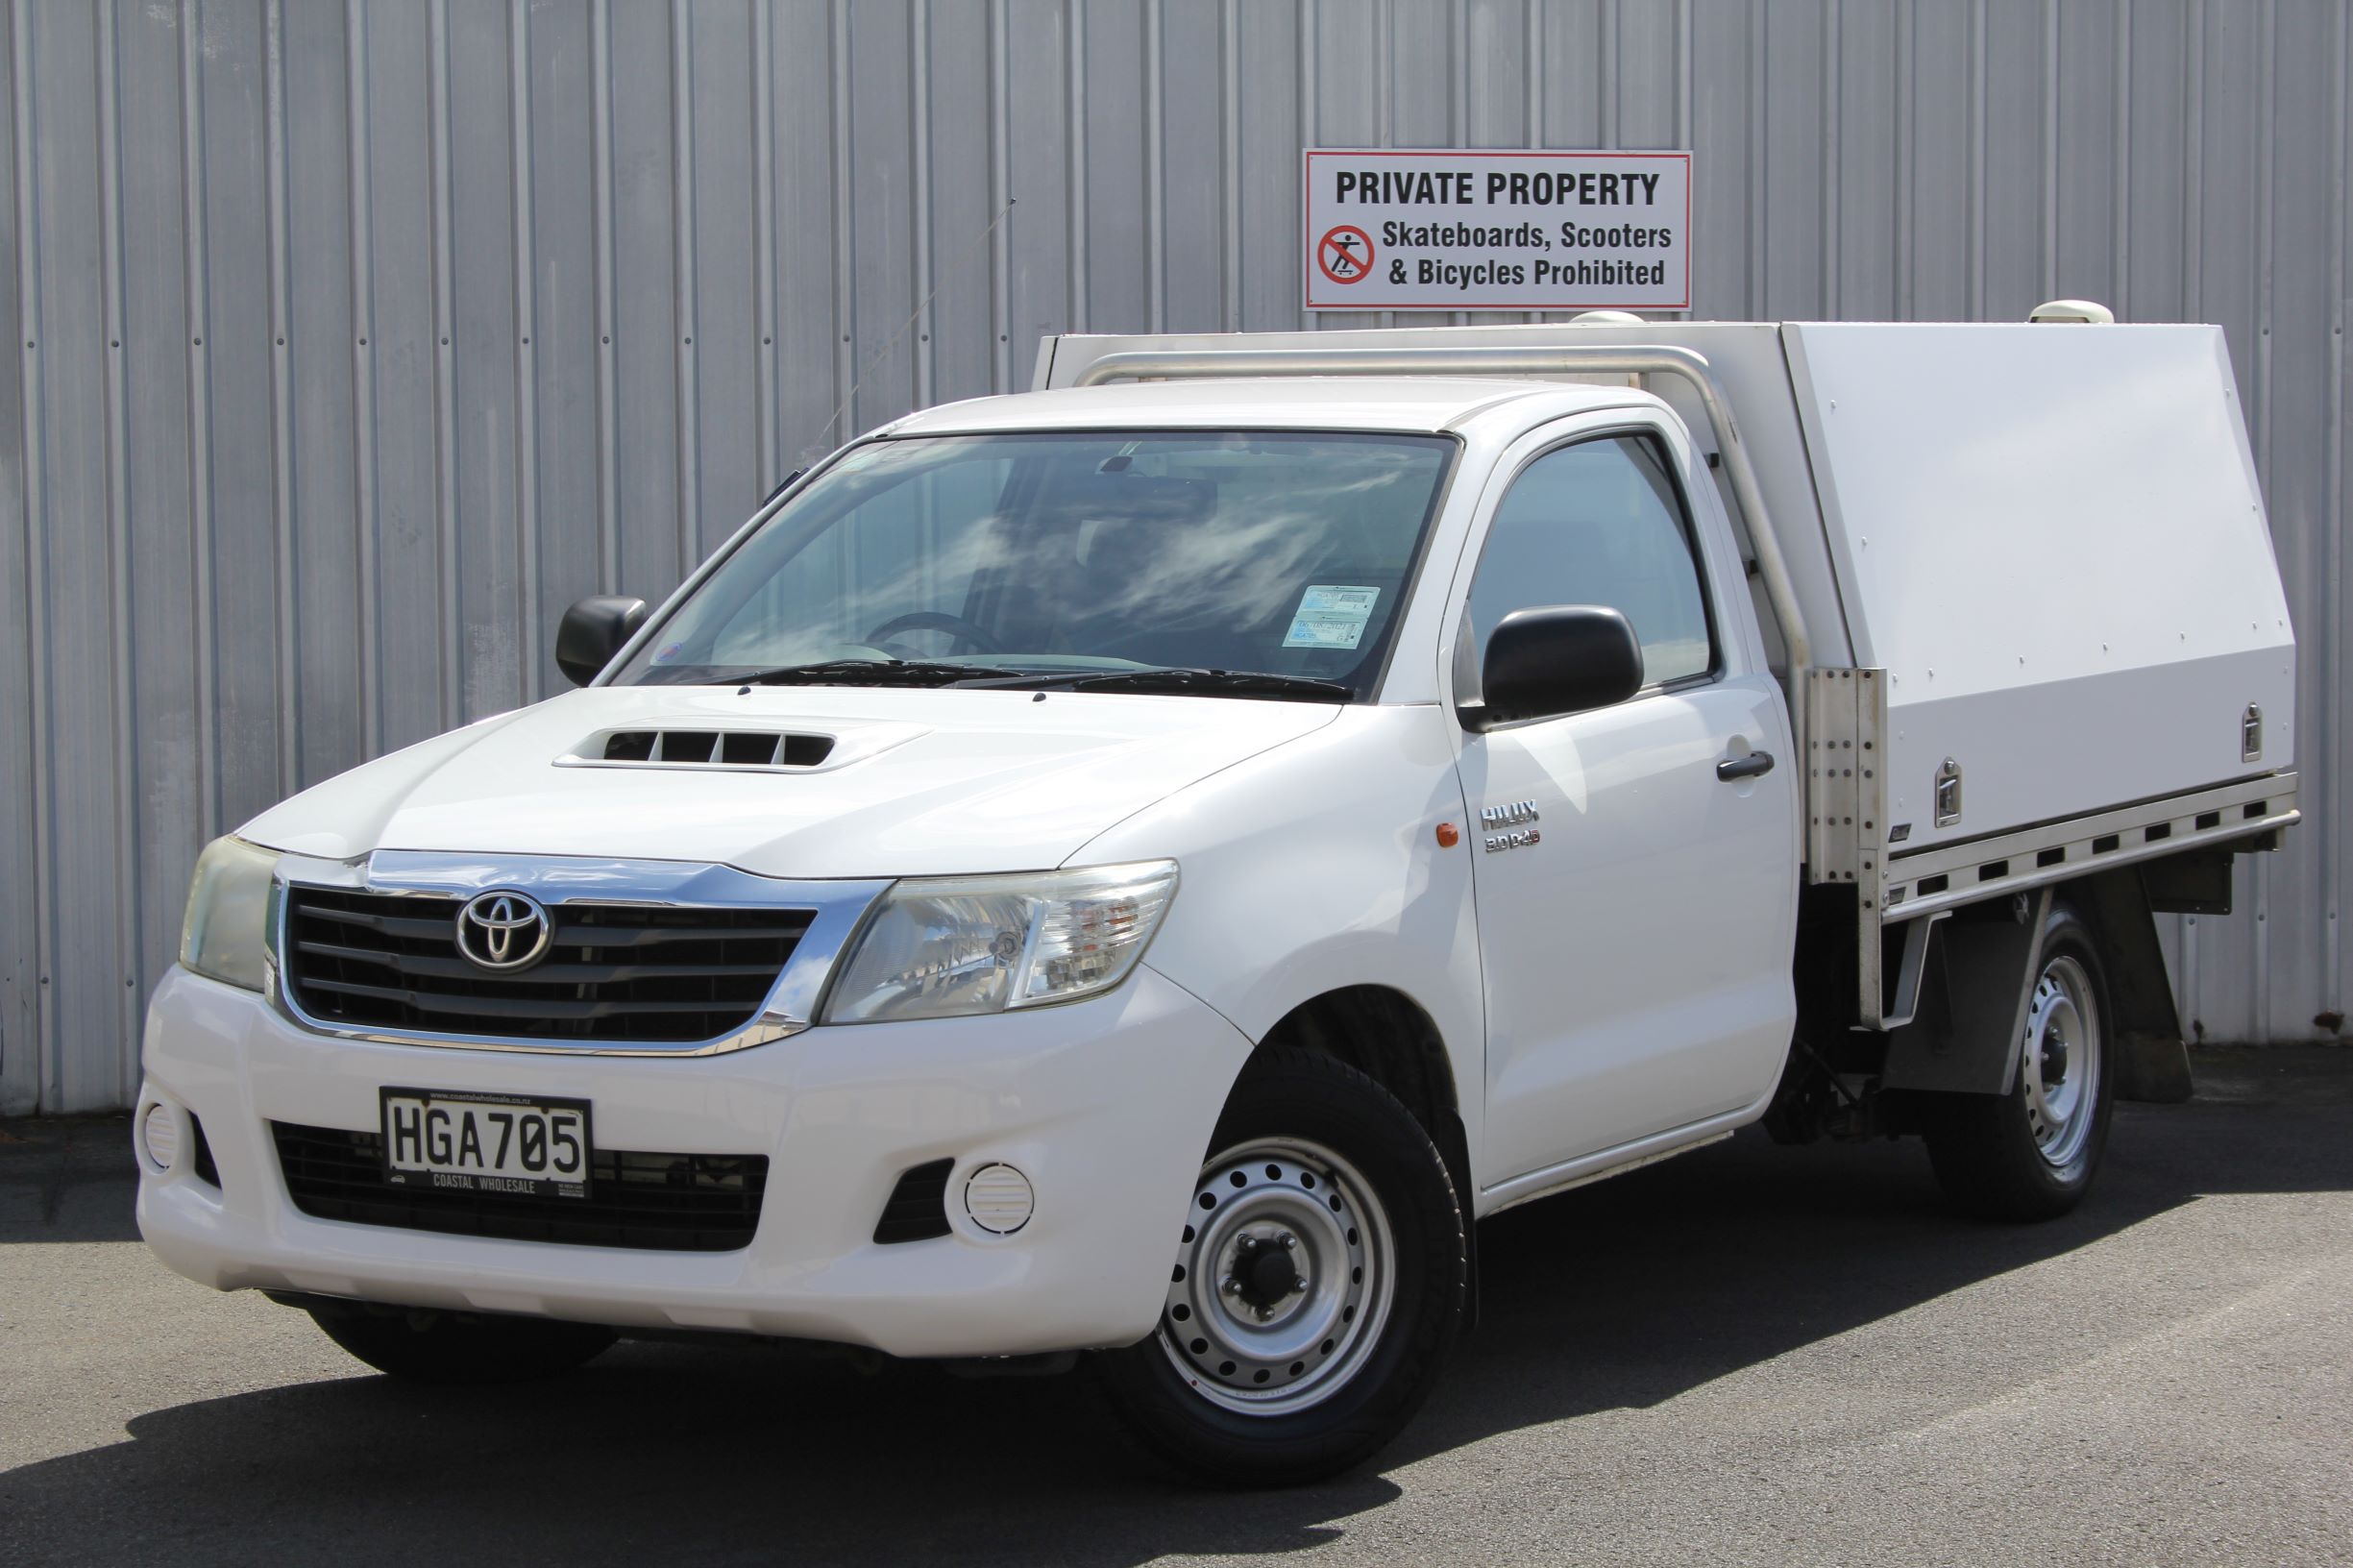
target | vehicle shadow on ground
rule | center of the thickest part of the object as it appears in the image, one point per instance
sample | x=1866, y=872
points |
x=1624, y=1294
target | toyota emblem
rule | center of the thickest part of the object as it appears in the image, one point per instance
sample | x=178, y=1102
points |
x=503, y=931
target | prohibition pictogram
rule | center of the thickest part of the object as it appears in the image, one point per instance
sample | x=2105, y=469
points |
x=1345, y=254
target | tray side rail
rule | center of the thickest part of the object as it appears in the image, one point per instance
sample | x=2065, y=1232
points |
x=2246, y=815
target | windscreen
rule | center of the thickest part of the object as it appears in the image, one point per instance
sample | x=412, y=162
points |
x=1285, y=552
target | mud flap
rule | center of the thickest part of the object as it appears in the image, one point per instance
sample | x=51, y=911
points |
x=2151, y=1062
x=1974, y=997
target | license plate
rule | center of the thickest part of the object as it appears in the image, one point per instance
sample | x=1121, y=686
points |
x=510, y=1145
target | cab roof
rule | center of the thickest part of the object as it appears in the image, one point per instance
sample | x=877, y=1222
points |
x=1422, y=405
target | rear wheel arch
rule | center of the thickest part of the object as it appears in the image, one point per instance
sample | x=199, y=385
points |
x=2145, y=1031
x=2030, y=1151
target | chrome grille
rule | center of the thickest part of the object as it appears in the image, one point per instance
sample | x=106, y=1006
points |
x=613, y=973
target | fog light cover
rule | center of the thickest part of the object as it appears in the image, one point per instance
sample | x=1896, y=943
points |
x=159, y=1136
x=999, y=1199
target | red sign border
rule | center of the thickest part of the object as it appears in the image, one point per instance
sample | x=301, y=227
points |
x=1309, y=155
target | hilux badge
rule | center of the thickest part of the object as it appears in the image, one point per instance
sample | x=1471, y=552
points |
x=1504, y=827
x=503, y=931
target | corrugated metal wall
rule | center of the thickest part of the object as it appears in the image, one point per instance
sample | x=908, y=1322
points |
x=360, y=337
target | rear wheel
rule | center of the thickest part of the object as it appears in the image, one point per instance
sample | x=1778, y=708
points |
x=460, y=1348
x=1315, y=1285
x=2030, y=1154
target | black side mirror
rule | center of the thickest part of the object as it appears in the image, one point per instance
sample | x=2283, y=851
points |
x=1560, y=659
x=593, y=631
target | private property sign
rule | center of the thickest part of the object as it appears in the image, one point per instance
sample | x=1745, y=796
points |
x=1390, y=229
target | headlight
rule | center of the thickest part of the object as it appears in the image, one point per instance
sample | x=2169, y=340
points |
x=225, y=935
x=944, y=947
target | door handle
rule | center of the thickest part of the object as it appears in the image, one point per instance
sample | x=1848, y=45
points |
x=1732, y=769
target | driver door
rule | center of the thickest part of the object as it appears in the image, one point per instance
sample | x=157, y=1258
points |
x=1636, y=907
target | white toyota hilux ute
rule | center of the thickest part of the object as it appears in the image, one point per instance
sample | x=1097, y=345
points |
x=1141, y=867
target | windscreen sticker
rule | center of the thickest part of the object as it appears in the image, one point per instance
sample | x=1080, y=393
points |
x=1330, y=617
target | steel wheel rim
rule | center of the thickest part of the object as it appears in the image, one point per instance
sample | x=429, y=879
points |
x=1256, y=1350
x=2062, y=1062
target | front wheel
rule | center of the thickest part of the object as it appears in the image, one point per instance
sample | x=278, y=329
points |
x=2030, y=1153
x=1318, y=1281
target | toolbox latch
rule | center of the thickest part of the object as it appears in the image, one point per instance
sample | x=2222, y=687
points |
x=2250, y=733
x=1949, y=793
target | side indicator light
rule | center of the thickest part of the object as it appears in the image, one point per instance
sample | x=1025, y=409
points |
x=1449, y=835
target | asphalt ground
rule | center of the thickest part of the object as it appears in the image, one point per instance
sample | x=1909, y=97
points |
x=1747, y=1355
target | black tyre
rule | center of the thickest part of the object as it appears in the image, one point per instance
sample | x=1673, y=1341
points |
x=1314, y=1291
x=2031, y=1153
x=460, y=1348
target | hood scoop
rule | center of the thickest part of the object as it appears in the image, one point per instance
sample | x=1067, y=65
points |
x=731, y=750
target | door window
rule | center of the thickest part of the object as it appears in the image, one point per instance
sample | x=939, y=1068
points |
x=1601, y=523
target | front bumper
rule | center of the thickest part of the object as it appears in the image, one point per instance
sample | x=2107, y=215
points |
x=1106, y=1105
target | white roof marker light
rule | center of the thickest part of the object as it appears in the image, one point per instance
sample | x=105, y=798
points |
x=2086, y=312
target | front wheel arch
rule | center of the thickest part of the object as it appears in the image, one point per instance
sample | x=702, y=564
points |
x=1391, y=1039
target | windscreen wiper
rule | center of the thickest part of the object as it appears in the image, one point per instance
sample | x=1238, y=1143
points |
x=1183, y=680
x=857, y=672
